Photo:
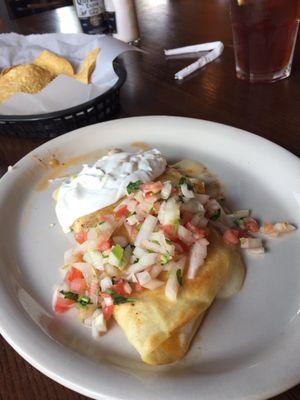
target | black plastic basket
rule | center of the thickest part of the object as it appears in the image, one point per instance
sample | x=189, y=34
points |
x=47, y=126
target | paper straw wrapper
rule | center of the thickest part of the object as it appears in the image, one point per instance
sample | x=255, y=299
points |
x=215, y=50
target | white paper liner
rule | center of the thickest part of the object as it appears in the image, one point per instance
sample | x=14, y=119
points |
x=215, y=50
x=64, y=91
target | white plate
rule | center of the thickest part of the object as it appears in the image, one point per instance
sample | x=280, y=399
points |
x=247, y=348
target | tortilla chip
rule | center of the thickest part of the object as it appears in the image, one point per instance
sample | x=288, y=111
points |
x=54, y=64
x=27, y=78
x=88, y=66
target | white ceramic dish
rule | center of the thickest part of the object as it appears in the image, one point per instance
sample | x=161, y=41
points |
x=248, y=346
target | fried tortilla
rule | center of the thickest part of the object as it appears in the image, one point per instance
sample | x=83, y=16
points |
x=162, y=330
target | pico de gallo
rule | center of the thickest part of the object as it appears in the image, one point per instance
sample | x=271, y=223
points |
x=159, y=229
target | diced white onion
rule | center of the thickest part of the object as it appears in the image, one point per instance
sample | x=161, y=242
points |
x=121, y=240
x=98, y=323
x=88, y=245
x=258, y=250
x=185, y=235
x=145, y=261
x=70, y=256
x=95, y=258
x=92, y=234
x=108, y=301
x=153, y=284
x=87, y=271
x=203, y=198
x=194, y=206
x=198, y=254
x=164, y=246
x=111, y=270
x=250, y=243
x=212, y=205
x=172, y=284
x=156, y=270
x=217, y=224
x=132, y=220
x=189, y=194
x=284, y=227
x=202, y=223
x=169, y=212
x=152, y=246
x=239, y=214
x=105, y=284
x=146, y=229
x=166, y=190
x=148, y=259
x=143, y=277
x=139, y=252
x=127, y=287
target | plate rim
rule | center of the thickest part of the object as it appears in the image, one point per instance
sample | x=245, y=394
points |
x=59, y=140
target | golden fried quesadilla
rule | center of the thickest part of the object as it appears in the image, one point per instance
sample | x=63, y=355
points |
x=153, y=252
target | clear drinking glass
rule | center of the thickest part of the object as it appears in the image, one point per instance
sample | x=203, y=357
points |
x=264, y=37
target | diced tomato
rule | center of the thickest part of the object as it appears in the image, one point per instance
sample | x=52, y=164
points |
x=156, y=207
x=119, y=288
x=104, y=245
x=153, y=187
x=133, y=232
x=72, y=274
x=268, y=228
x=104, y=218
x=122, y=212
x=106, y=309
x=94, y=288
x=78, y=286
x=62, y=305
x=186, y=217
x=197, y=232
x=138, y=287
x=185, y=248
x=251, y=225
x=80, y=237
x=168, y=231
x=231, y=236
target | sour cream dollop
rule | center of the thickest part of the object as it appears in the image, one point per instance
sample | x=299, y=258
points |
x=104, y=183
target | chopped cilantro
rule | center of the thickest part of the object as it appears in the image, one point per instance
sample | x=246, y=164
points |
x=183, y=180
x=118, y=298
x=133, y=186
x=155, y=241
x=240, y=222
x=179, y=277
x=69, y=295
x=216, y=214
x=138, y=226
x=164, y=259
x=169, y=241
x=82, y=300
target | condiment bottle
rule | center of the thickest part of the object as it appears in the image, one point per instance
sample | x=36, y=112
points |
x=91, y=14
x=125, y=27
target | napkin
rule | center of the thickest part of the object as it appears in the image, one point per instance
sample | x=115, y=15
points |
x=215, y=49
x=63, y=92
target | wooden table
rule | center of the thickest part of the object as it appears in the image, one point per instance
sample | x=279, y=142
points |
x=271, y=111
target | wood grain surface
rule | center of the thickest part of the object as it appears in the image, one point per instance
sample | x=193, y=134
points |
x=269, y=110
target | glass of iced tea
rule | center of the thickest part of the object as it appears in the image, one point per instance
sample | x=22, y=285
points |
x=264, y=37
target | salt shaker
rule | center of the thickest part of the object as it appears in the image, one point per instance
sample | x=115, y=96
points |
x=122, y=20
